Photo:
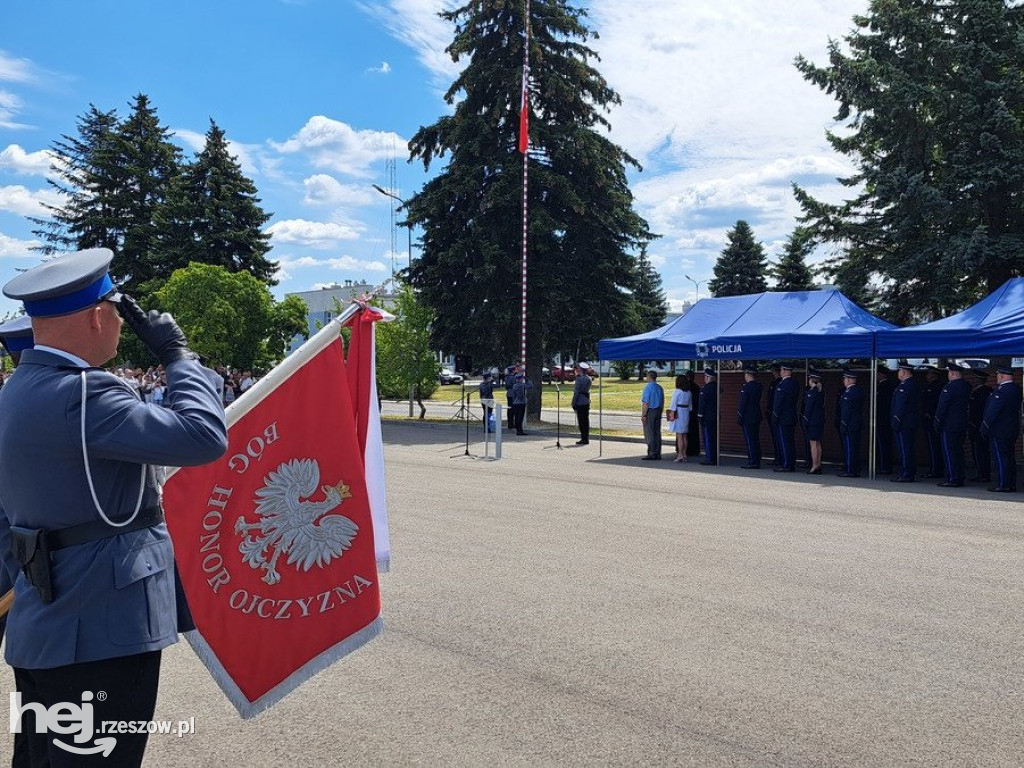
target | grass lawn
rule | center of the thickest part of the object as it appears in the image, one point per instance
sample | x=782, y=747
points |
x=609, y=392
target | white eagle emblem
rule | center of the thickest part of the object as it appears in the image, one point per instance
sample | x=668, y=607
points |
x=302, y=529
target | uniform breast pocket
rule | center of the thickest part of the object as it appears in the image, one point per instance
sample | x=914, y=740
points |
x=141, y=606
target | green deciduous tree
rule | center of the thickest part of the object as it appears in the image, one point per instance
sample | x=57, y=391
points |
x=405, y=355
x=583, y=229
x=932, y=101
x=742, y=267
x=212, y=215
x=230, y=317
x=792, y=272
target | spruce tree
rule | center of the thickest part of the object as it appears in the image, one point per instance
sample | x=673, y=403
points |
x=651, y=306
x=933, y=105
x=583, y=229
x=792, y=272
x=82, y=176
x=742, y=266
x=212, y=215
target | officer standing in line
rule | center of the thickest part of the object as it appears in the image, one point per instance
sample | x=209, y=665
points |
x=850, y=418
x=1001, y=423
x=519, y=394
x=951, y=422
x=748, y=415
x=883, y=421
x=975, y=413
x=812, y=419
x=95, y=596
x=707, y=412
x=787, y=394
x=581, y=402
x=510, y=381
x=929, y=402
x=906, y=414
x=769, y=415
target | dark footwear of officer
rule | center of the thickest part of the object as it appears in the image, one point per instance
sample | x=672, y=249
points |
x=997, y=489
x=582, y=442
x=901, y=480
x=950, y=485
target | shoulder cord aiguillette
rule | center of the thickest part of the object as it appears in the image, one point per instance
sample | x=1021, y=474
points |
x=88, y=474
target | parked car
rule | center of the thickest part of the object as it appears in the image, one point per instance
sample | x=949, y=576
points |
x=448, y=376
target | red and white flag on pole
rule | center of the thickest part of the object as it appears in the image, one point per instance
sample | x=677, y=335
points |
x=524, y=113
x=275, y=541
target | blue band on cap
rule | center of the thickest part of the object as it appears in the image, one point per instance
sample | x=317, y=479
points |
x=70, y=302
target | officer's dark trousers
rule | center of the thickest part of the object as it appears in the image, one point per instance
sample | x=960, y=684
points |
x=787, y=446
x=905, y=444
x=982, y=457
x=1006, y=462
x=583, y=419
x=518, y=414
x=752, y=438
x=128, y=685
x=511, y=415
x=709, y=434
x=953, y=452
x=773, y=430
x=936, y=462
x=883, y=450
x=851, y=452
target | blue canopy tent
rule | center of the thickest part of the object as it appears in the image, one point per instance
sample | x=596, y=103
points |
x=798, y=324
x=992, y=327
x=794, y=324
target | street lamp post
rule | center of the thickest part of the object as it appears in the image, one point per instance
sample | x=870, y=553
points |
x=408, y=226
x=696, y=287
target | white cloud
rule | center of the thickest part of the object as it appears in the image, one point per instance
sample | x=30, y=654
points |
x=19, y=249
x=10, y=105
x=416, y=23
x=337, y=146
x=14, y=70
x=251, y=158
x=314, y=234
x=383, y=69
x=16, y=159
x=322, y=189
x=288, y=266
x=18, y=199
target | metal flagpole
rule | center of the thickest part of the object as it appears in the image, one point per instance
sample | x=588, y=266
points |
x=871, y=427
x=524, y=147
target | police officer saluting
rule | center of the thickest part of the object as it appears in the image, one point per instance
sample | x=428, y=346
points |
x=787, y=394
x=707, y=412
x=95, y=599
x=905, y=415
x=1001, y=424
x=951, y=423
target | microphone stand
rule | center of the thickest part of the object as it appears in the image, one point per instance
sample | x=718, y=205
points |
x=465, y=417
x=558, y=428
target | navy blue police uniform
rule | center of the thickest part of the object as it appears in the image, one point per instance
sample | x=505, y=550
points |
x=883, y=423
x=905, y=418
x=929, y=402
x=979, y=443
x=850, y=420
x=769, y=416
x=784, y=415
x=748, y=416
x=951, y=421
x=1001, y=424
x=707, y=413
x=95, y=593
x=812, y=413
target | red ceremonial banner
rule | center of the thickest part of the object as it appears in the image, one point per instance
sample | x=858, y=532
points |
x=275, y=541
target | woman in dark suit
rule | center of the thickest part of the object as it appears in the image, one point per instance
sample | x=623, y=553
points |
x=813, y=419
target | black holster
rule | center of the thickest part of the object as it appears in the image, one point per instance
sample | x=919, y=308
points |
x=29, y=546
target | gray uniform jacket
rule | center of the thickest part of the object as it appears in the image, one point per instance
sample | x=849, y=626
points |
x=581, y=391
x=113, y=596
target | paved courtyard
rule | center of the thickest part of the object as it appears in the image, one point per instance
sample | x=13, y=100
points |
x=557, y=608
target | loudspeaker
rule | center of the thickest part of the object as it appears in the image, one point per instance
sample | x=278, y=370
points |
x=463, y=364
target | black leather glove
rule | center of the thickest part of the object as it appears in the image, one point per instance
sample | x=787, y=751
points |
x=157, y=330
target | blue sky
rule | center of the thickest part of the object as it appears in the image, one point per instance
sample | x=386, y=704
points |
x=316, y=96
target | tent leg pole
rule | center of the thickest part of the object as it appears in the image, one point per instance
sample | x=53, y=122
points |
x=873, y=410
x=600, y=411
x=718, y=414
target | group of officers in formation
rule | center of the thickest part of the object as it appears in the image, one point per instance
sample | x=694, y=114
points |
x=950, y=413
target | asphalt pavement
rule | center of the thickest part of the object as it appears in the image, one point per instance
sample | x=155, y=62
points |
x=557, y=608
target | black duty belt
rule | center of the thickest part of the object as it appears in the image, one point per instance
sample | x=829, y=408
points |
x=98, y=529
